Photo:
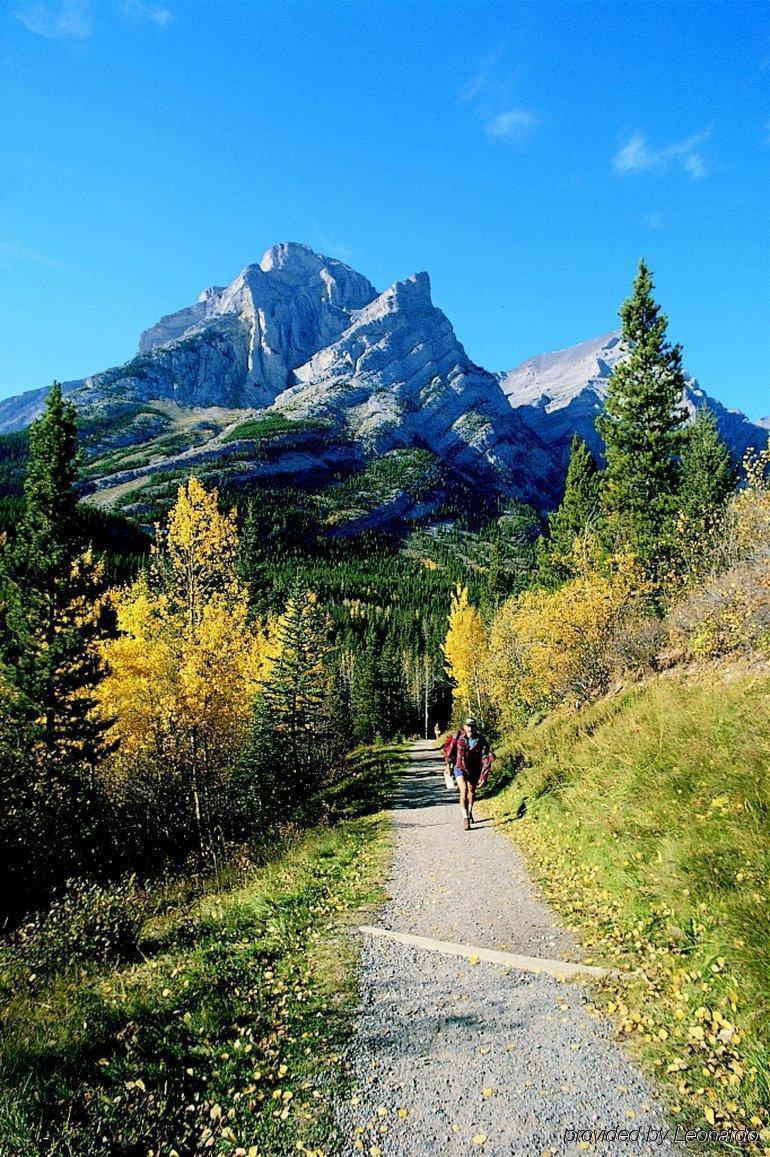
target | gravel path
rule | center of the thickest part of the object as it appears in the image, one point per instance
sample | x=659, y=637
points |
x=483, y=1059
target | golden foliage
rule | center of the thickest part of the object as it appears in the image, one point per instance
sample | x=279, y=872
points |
x=730, y=609
x=465, y=650
x=186, y=664
x=547, y=645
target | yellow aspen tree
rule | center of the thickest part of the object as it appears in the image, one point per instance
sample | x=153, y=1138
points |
x=185, y=667
x=465, y=648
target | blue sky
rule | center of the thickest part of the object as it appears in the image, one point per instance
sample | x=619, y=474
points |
x=525, y=154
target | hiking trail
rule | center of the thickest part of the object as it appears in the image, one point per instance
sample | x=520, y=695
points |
x=483, y=1057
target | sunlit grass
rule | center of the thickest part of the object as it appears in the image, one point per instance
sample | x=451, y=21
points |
x=226, y=1034
x=646, y=817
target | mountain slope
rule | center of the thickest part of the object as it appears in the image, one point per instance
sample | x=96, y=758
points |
x=299, y=373
x=560, y=394
x=296, y=372
x=236, y=347
x=398, y=376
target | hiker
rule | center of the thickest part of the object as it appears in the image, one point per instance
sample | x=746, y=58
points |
x=470, y=756
x=448, y=750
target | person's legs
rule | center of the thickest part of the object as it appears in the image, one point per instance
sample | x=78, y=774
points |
x=472, y=784
x=471, y=797
x=463, y=786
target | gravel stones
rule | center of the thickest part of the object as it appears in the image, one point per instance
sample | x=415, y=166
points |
x=481, y=1058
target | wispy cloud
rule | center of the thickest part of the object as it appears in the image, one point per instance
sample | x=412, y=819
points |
x=66, y=20
x=485, y=78
x=156, y=13
x=492, y=94
x=12, y=254
x=512, y=125
x=637, y=156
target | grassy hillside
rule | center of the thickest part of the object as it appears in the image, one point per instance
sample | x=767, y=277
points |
x=646, y=816
x=200, y=1016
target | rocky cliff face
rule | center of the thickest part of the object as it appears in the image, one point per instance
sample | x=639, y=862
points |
x=234, y=347
x=306, y=338
x=398, y=376
x=560, y=394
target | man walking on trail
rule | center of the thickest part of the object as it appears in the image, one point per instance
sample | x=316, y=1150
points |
x=470, y=754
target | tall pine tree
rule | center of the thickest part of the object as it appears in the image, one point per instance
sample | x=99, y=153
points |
x=642, y=430
x=50, y=624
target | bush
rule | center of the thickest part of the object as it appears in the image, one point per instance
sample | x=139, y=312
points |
x=730, y=610
x=88, y=923
x=548, y=646
x=636, y=644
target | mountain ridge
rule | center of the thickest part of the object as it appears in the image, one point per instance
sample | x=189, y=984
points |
x=299, y=369
x=561, y=393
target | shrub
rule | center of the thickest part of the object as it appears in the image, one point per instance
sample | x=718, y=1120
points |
x=88, y=922
x=730, y=610
x=547, y=646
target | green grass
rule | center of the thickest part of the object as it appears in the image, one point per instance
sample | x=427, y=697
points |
x=269, y=426
x=226, y=1029
x=646, y=818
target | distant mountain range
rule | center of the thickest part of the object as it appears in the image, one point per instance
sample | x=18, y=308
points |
x=561, y=394
x=299, y=372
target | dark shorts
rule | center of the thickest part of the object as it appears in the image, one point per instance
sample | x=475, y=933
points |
x=471, y=776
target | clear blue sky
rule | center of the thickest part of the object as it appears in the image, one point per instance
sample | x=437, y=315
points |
x=525, y=154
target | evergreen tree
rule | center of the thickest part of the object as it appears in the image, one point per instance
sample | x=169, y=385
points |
x=642, y=430
x=576, y=517
x=50, y=624
x=365, y=692
x=708, y=478
x=297, y=693
x=708, y=472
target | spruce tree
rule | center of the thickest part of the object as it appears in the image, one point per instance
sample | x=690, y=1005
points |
x=50, y=622
x=642, y=430
x=297, y=693
x=576, y=517
x=708, y=478
x=366, y=692
x=708, y=471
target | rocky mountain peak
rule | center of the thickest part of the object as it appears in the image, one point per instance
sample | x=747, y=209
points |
x=410, y=295
x=291, y=257
x=554, y=380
